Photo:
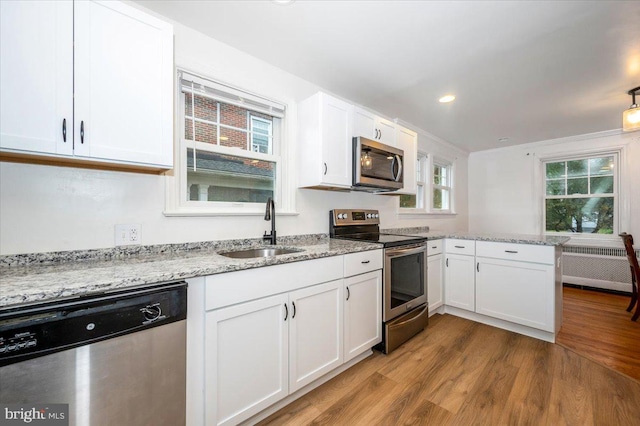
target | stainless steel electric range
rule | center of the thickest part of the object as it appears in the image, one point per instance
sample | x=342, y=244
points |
x=404, y=285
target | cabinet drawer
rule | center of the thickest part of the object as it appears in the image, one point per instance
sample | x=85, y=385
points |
x=241, y=286
x=467, y=247
x=521, y=252
x=434, y=247
x=359, y=263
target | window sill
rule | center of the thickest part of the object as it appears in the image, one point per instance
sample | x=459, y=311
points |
x=408, y=212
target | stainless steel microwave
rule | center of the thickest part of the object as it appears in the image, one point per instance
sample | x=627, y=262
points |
x=376, y=167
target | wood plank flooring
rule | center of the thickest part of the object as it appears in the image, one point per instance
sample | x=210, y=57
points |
x=457, y=372
x=597, y=325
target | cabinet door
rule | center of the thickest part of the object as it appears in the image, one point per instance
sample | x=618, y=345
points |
x=337, y=143
x=362, y=313
x=434, y=282
x=36, y=76
x=123, y=84
x=519, y=292
x=246, y=359
x=408, y=142
x=459, y=281
x=364, y=124
x=386, y=131
x=315, y=332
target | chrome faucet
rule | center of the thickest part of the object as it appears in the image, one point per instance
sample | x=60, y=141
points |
x=270, y=214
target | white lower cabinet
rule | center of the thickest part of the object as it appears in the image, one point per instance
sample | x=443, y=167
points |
x=247, y=359
x=362, y=313
x=519, y=292
x=460, y=281
x=435, y=281
x=260, y=351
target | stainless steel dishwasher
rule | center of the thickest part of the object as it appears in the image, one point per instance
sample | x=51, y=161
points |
x=116, y=359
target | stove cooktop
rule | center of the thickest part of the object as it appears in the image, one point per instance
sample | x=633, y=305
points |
x=387, y=240
x=364, y=225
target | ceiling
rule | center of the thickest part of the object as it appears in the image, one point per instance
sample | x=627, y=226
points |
x=526, y=71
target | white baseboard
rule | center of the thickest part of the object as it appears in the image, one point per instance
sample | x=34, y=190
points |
x=590, y=282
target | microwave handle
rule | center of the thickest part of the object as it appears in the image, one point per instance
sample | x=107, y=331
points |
x=399, y=160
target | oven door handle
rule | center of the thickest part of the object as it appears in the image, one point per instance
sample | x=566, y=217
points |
x=414, y=249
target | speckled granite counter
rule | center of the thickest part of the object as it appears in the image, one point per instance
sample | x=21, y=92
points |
x=27, y=279
x=542, y=240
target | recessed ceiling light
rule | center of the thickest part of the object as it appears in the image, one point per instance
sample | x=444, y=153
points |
x=283, y=2
x=446, y=98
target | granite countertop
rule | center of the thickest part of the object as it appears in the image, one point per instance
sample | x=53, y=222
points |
x=42, y=277
x=542, y=240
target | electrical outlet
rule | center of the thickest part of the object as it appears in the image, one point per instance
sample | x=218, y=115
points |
x=128, y=234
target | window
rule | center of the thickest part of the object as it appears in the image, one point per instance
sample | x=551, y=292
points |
x=580, y=195
x=229, y=148
x=441, y=193
x=417, y=201
x=434, y=187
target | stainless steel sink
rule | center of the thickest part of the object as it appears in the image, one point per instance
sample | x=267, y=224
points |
x=259, y=252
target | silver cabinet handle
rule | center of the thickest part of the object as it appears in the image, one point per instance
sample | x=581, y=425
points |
x=286, y=311
x=82, y=131
x=294, y=310
x=64, y=130
x=510, y=251
x=325, y=168
x=365, y=261
x=447, y=262
x=348, y=293
x=478, y=267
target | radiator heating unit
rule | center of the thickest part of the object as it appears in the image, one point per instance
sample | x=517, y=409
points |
x=598, y=267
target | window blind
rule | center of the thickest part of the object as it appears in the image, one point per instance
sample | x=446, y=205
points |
x=192, y=83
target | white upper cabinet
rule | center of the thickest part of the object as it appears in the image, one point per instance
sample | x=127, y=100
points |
x=325, y=142
x=102, y=71
x=407, y=140
x=36, y=112
x=371, y=126
x=124, y=96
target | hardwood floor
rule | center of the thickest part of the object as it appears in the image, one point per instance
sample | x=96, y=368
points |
x=458, y=372
x=597, y=325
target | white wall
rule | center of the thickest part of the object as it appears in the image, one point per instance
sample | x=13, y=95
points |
x=47, y=208
x=505, y=185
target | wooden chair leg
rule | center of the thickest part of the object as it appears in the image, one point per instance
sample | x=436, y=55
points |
x=634, y=294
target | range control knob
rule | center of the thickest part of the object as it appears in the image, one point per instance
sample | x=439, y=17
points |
x=151, y=312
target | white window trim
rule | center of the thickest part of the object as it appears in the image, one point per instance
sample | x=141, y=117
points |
x=619, y=193
x=176, y=200
x=427, y=171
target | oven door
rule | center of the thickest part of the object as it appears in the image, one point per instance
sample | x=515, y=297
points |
x=405, y=279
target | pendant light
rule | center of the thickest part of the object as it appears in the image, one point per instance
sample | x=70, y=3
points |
x=631, y=116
